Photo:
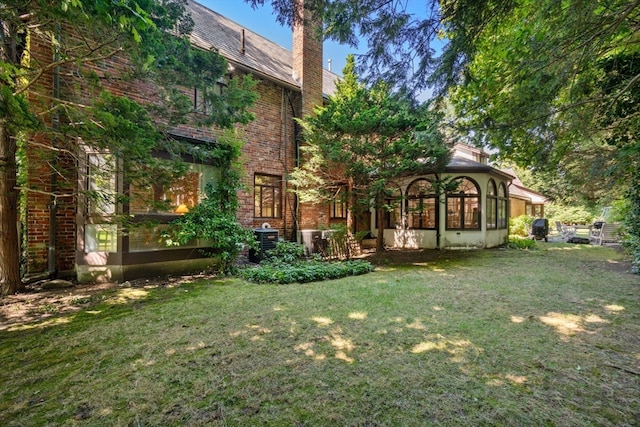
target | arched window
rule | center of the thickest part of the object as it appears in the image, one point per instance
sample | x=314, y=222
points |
x=503, y=216
x=422, y=205
x=492, y=205
x=463, y=206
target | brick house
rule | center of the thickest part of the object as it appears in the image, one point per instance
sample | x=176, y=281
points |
x=68, y=235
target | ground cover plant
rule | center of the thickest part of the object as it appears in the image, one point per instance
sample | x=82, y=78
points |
x=495, y=337
x=287, y=263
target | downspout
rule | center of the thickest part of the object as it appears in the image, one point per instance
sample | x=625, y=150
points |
x=284, y=135
x=439, y=199
x=296, y=148
x=53, y=206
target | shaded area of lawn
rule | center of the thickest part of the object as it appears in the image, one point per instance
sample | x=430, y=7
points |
x=446, y=338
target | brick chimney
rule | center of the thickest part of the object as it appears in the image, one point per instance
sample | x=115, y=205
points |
x=307, y=69
x=307, y=58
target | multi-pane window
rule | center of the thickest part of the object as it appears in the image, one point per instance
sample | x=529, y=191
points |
x=339, y=203
x=100, y=195
x=463, y=206
x=503, y=213
x=393, y=210
x=165, y=196
x=101, y=184
x=422, y=204
x=201, y=96
x=171, y=197
x=492, y=205
x=267, y=190
x=534, y=210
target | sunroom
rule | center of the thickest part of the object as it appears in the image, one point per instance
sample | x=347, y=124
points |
x=465, y=207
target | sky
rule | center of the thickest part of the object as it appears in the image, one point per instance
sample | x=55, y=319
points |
x=263, y=22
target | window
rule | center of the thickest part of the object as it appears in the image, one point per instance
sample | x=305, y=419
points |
x=503, y=213
x=201, y=96
x=100, y=238
x=534, y=210
x=463, y=206
x=100, y=195
x=101, y=184
x=393, y=210
x=492, y=205
x=159, y=202
x=422, y=205
x=267, y=196
x=392, y=216
x=167, y=198
x=171, y=197
x=339, y=203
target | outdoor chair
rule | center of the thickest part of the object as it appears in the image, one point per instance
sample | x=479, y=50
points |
x=564, y=231
x=608, y=233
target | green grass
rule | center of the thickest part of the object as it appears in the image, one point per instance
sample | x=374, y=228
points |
x=496, y=337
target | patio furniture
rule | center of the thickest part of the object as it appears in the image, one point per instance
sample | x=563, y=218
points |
x=608, y=233
x=564, y=231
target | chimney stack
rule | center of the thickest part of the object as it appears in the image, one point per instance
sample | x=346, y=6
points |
x=307, y=58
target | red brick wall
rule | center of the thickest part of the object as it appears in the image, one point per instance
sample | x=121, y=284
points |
x=51, y=181
x=269, y=149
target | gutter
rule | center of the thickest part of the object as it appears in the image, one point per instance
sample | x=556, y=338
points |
x=263, y=75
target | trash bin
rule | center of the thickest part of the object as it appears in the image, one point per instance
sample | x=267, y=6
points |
x=540, y=229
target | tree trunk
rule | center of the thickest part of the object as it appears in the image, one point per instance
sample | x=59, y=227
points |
x=380, y=227
x=10, y=282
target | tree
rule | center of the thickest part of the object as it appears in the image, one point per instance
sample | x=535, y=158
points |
x=367, y=137
x=555, y=87
x=153, y=36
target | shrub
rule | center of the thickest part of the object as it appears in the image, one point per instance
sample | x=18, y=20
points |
x=304, y=271
x=569, y=214
x=285, y=264
x=521, y=225
x=517, y=242
x=286, y=252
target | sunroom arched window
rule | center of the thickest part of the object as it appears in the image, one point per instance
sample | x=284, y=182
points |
x=422, y=205
x=503, y=215
x=463, y=206
x=492, y=205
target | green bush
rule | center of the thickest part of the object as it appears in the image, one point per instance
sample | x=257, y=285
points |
x=285, y=264
x=569, y=214
x=517, y=242
x=304, y=271
x=286, y=252
x=521, y=225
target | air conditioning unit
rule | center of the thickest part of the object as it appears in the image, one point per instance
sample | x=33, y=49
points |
x=267, y=239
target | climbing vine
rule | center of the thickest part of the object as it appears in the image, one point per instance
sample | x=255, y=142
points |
x=214, y=218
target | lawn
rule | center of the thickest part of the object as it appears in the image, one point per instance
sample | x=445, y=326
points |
x=495, y=337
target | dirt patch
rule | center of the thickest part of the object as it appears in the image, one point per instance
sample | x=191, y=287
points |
x=38, y=304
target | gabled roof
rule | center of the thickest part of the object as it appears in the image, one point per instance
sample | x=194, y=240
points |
x=519, y=191
x=261, y=56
